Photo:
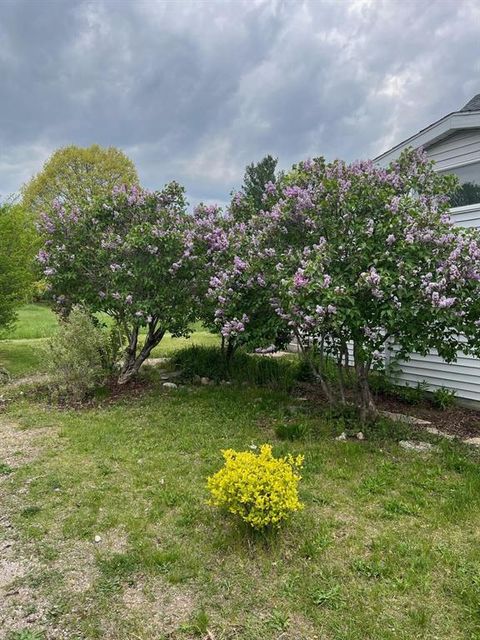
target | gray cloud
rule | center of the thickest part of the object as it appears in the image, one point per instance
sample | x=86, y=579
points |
x=196, y=90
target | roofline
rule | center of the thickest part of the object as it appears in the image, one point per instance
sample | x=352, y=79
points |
x=436, y=131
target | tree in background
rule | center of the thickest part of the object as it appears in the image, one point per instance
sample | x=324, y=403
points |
x=225, y=242
x=128, y=255
x=77, y=176
x=18, y=243
x=250, y=198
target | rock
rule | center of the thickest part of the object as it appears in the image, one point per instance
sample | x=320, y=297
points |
x=360, y=436
x=32, y=617
x=97, y=539
x=293, y=408
x=421, y=447
x=154, y=362
x=265, y=350
x=342, y=436
x=436, y=432
x=169, y=385
x=402, y=417
x=475, y=442
x=167, y=375
x=204, y=380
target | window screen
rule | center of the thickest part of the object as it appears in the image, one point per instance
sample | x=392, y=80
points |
x=469, y=190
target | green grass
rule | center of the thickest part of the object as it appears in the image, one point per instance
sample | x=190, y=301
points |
x=387, y=547
x=21, y=357
x=21, y=349
x=34, y=321
x=199, y=337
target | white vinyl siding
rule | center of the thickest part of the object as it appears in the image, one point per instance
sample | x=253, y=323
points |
x=460, y=148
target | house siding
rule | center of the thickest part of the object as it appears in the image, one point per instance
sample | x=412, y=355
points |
x=460, y=148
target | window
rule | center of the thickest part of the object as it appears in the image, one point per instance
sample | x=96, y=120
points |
x=469, y=179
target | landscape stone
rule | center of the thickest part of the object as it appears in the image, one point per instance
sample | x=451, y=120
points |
x=153, y=362
x=402, y=417
x=421, y=447
x=169, y=385
x=436, y=432
x=342, y=436
x=473, y=441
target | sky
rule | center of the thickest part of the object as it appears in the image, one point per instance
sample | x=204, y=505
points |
x=196, y=90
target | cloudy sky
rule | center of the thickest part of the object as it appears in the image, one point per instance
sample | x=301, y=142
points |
x=196, y=90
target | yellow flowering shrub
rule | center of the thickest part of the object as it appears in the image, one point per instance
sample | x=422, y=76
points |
x=259, y=488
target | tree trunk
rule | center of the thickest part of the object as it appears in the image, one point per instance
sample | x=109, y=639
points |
x=231, y=346
x=134, y=361
x=368, y=409
x=318, y=372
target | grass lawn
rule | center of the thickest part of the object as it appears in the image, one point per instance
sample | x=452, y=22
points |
x=388, y=546
x=34, y=321
x=22, y=357
x=21, y=351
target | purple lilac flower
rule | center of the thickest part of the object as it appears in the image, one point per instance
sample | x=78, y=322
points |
x=299, y=279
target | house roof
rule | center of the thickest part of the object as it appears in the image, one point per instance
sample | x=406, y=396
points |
x=473, y=104
x=466, y=118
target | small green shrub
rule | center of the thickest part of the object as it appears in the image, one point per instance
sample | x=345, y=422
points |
x=4, y=376
x=380, y=383
x=80, y=356
x=26, y=634
x=259, y=488
x=443, y=398
x=291, y=431
x=412, y=395
x=5, y=469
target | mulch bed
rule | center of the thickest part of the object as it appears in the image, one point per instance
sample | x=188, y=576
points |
x=461, y=422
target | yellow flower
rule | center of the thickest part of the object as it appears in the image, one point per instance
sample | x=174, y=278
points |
x=259, y=488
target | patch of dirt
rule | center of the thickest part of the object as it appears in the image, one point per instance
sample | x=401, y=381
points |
x=20, y=446
x=27, y=381
x=10, y=570
x=134, y=388
x=76, y=564
x=461, y=422
x=21, y=605
x=155, y=606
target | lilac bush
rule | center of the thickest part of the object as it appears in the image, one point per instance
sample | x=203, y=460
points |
x=356, y=253
x=128, y=255
x=236, y=299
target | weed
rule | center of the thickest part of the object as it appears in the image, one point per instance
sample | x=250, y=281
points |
x=443, y=398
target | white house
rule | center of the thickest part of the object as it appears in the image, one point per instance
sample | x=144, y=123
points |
x=454, y=143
